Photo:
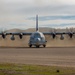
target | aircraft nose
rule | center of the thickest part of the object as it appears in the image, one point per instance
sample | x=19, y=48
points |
x=38, y=39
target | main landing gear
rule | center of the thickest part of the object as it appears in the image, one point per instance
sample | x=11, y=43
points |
x=44, y=45
x=30, y=46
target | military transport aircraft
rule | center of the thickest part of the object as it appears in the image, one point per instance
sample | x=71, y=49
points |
x=37, y=38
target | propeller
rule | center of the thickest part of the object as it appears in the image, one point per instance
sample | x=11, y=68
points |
x=54, y=34
x=71, y=31
x=21, y=35
x=53, y=31
x=3, y=32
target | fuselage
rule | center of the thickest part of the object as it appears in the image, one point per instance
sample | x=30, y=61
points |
x=37, y=39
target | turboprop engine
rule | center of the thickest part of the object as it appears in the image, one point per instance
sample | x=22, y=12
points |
x=12, y=37
x=62, y=37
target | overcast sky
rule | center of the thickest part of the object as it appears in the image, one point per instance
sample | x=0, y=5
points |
x=52, y=13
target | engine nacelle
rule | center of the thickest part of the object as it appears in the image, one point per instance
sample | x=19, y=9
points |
x=21, y=36
x=62, y=37
x=12, y=37
x=3, y=35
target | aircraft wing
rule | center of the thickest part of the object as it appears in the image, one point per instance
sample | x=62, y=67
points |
x=29, y=33
x=53, y=34
x=18, y=33
x=57, y=33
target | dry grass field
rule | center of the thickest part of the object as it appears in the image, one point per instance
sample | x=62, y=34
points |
x=37, y=61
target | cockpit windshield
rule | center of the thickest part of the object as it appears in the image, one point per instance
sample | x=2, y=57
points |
x=37, y=35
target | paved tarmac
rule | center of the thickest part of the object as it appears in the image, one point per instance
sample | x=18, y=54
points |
x=40, y=56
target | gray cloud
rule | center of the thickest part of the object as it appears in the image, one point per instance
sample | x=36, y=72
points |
x=44, y=18
x=23, y=8
x=43, y=10
x=16, y=11
x=63, y=25
x=68, y=9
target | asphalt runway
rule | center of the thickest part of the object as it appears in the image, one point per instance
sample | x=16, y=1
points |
x=39, y=56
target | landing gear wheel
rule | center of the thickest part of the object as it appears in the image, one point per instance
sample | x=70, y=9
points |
x=30, y=45
x=44, y=45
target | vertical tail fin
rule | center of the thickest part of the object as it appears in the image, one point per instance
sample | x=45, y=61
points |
x=37, y=29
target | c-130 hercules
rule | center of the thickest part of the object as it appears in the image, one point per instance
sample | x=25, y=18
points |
x=37, y=38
